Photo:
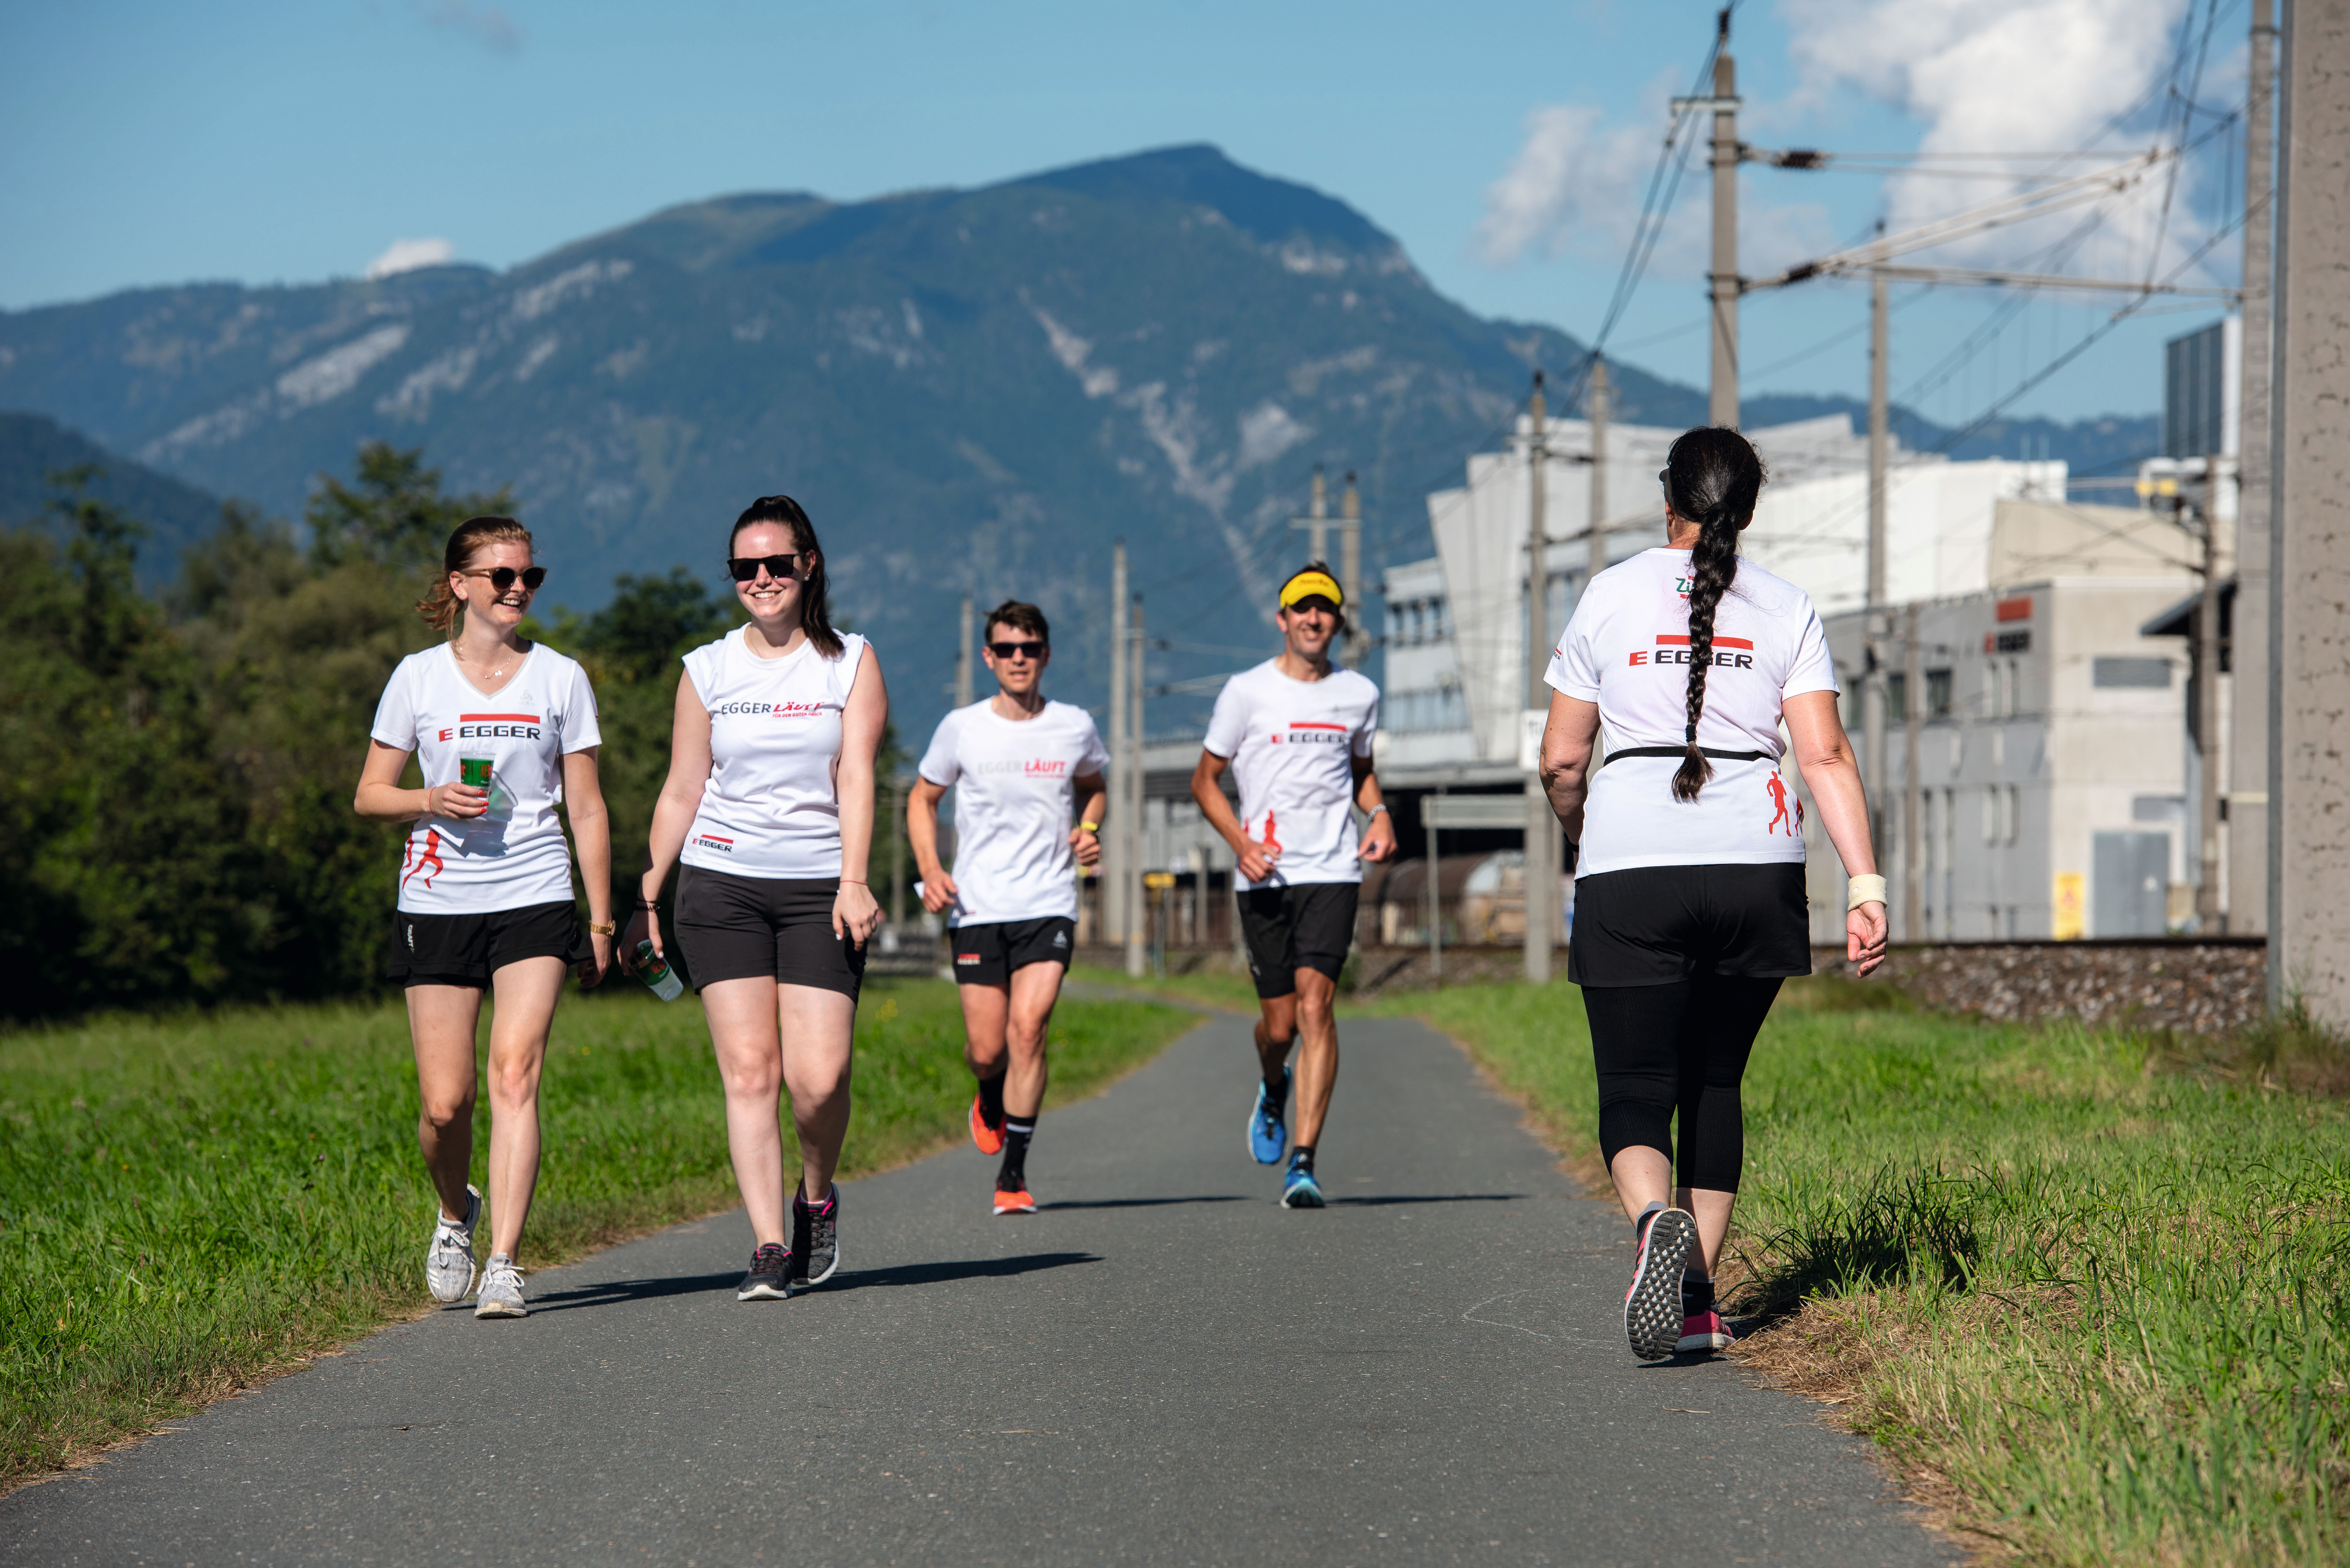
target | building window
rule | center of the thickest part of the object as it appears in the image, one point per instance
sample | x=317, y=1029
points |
x=1991, y=815
x=1896, y=699
x=1937, y=693
x=2147, y=674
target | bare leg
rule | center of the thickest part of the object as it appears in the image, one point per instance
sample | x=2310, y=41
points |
x=743, y=1033
x=442, y=1020
x=1644, y=1175
x=1317, y=1053
x=986, y=1013
x=527, y=994
x=1276, y=1031
x=1712, y=1211
x=1036, y=987
x=818, y=1029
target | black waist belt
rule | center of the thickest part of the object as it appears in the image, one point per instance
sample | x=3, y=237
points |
x=1683, y=751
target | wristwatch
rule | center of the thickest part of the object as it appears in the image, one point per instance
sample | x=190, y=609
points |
x=602, y=928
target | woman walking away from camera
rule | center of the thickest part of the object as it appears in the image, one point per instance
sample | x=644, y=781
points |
x=769, y=804
x=503, y=730
x=1689, y=893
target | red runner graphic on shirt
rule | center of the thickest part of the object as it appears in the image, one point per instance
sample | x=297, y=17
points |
x=1778, y=788
x=429, y=862
x=1269, y=841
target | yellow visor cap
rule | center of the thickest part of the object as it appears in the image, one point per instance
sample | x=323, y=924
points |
x=1309, y=583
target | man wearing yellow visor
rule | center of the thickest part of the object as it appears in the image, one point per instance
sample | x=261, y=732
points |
x=1297, y=733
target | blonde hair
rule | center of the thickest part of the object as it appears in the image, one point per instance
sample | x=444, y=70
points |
x=439, y=607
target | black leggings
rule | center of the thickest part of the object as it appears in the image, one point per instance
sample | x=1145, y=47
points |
x=1682, y=1045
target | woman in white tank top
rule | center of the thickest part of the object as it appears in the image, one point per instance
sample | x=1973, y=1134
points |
x=769, y=806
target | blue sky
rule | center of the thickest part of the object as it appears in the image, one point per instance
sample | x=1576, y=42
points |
x=1507, y=148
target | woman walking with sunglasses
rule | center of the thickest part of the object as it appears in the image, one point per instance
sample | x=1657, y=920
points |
x=503, y=730
x=769, y=804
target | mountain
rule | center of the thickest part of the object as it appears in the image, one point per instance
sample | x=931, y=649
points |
x=34, y=448
x=970, y=390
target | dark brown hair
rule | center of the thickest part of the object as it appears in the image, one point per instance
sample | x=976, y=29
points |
x=815, y=614
x=1020, y=617
x=439, y=607
x=1712, y=479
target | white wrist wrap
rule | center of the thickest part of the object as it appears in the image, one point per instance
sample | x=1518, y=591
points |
x=1866, y=891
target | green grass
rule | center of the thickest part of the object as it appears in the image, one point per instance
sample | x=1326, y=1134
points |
x=2096, y=1306
x=187, y=1204
x=1232, y=992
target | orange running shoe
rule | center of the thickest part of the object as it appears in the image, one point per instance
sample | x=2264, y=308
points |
x=990, y=1140
x=1014, y=1202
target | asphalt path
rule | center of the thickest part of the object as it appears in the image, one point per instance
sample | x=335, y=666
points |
x=1161, y=1366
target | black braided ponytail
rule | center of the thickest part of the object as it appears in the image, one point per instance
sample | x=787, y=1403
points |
x=1712, y=479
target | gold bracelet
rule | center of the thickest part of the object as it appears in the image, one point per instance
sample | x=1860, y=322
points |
x=602, y=928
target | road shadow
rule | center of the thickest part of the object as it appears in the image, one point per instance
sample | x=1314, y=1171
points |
x=948, y=1272
x=1425, y=1197
x=612, y=1292
x=1136, y=1202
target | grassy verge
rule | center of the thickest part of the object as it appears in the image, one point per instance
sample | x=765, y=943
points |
x=188, y=1204
x=1234, y=992
x=2093, y=1299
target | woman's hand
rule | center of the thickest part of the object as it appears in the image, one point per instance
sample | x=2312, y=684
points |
x=455, y=800
x=1864, y=930
x=1085, y=846
x=593, y=969
x=855, y=915
x=938, y=892
x=644, y=926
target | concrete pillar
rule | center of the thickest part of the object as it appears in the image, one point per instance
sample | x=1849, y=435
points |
x=2309, y=589
x=2248, y=717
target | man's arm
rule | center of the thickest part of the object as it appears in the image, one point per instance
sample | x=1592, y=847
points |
x=1207, y=788
x=1379, y=838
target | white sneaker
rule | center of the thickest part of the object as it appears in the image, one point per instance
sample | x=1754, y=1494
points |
x=501, y=1290
x=448, y=1264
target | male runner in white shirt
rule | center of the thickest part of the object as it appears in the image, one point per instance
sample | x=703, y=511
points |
x=1017, y=764
x=1297, y=733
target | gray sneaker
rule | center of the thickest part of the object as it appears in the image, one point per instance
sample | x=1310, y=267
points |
x=449, y=1263
x=501, y=1290
x=816, y=1239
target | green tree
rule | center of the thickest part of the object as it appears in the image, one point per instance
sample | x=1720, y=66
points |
x=391, y=513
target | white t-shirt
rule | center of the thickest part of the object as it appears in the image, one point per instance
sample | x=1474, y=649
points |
x=1292, y=745
x=1013, y=781
x=771, y=807
x=1627, y=648
x=515, y=856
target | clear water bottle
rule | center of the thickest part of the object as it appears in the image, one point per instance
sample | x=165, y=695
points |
x=655, y=973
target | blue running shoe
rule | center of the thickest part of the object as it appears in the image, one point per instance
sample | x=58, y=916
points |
x=1268, y=1134
x=1299, y=1189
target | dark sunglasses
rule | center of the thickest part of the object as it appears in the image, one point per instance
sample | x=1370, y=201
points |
x=1019, y=650
x=503, y=578
x=746, y=567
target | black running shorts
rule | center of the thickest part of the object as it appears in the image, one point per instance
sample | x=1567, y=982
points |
x=1653, y=925
x=762, y=927
x=986, y=955
x=1309, y=926
x=467, y=950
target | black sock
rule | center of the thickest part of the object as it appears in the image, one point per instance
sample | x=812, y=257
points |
x=1301, y=1158
x=1017, y=1131
x=1276, y=1084
x=1697, y=1292
x=990, y=1100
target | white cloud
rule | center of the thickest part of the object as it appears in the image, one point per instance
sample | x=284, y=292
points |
x=1575, y=188
x=488, y=24
x=407, y=255
x=2006, y=75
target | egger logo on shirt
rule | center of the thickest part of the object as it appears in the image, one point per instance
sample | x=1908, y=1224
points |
x=1672, y=647
x=494, y=727
x=1303, y=734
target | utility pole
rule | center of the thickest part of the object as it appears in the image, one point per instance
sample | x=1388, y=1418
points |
x=1872, y=700
x=1350, y=572
x=1722, y=399
x=1913, y=813
x=1596, y=393
x=1542, y=824
x=964, y=658
x=1114, y=866
x=1138, y=916
x=2247, y=800
x=2208, y=750
x=896, y=830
